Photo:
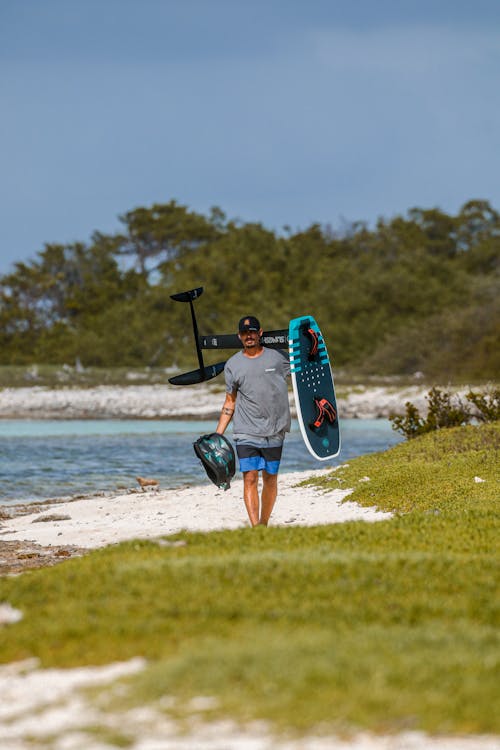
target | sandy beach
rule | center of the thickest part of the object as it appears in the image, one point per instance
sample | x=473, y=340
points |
x=49, y=705
x=50, y=532
x=101, y=520
x=164, y=402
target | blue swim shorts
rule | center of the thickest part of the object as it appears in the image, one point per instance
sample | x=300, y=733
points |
x=259, y=454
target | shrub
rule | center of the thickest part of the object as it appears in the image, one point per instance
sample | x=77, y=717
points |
x=487, y=404
x=446, y=410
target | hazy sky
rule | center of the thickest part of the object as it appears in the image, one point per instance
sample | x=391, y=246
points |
x=286, y=112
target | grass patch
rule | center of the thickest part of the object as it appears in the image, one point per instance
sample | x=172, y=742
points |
x=384, y=626
x=68, y=375
x=436, y=472
x=58, y=376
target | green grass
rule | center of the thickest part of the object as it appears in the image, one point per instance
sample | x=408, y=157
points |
x=435, y=472
x=385, y=626
x=59, y=376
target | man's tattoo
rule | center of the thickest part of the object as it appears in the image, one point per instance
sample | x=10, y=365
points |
x=227, y=410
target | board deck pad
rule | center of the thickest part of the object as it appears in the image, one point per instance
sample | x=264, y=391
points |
x=312, y=379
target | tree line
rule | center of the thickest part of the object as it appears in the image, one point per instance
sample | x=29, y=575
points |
x=418, y=292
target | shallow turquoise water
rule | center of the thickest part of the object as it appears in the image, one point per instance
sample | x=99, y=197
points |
x=57, y=458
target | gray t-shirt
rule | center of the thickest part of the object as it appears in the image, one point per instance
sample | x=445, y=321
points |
x=262, y=407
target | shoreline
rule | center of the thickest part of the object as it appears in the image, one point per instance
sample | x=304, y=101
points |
x=97, y=521
x=50, y=531
x=198, y=402
x=41, y=704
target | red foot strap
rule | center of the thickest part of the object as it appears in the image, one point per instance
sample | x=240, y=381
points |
x=325, y=409
x=313, y=336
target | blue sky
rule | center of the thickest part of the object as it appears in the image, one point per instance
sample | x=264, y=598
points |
x=286, y=112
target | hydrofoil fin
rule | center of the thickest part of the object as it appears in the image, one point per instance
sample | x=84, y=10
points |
x=204, y=372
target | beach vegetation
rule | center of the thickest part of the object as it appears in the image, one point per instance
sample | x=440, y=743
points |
x=386, y=626
x=416, y=293
x=446, y=410
x=77, y=376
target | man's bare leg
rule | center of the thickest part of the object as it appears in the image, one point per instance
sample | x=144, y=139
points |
x=269, y=494
x=251, y=495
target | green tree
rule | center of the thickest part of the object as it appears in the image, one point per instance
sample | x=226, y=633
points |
x=155, y=236
x=417, y=292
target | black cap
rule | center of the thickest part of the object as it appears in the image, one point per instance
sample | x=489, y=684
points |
x=249, y=323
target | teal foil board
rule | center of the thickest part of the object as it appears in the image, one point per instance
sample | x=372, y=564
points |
x=312, y=379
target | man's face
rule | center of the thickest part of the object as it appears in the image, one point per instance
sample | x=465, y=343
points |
x=250, y=339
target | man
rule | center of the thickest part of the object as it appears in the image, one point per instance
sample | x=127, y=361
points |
x=257, y=398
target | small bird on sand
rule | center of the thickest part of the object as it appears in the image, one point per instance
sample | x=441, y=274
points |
x=145, y=483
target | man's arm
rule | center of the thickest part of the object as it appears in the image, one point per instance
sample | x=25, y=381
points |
x=227, y=412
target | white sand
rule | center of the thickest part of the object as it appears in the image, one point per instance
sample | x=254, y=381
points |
x=46, y=708
x=164, y=401
x=98, y=521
